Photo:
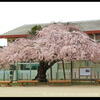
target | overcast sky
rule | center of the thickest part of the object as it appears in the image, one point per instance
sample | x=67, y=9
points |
x=15, y=14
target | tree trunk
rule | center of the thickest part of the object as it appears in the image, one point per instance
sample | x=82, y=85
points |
x=41, y=73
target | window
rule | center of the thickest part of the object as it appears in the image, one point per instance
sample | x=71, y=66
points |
x=91, y=36
x=35, y=66
x=28, y=66
x=97, y=37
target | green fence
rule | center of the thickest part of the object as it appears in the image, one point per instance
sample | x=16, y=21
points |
x=28, y=71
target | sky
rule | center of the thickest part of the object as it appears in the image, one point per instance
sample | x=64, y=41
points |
x=15, y=14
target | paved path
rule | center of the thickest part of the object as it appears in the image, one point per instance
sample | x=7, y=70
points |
x=51, y=91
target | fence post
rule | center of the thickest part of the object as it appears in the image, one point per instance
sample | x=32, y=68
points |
x=4, y=75
x=79, y=74
x=75, y=75
x=17, y=72
x=27, y=76
x=47, y=75
x=51, y=72
x=22, y=76
x=71, y=71
x=12, y=68
x=97, y=75
x=57, y=71
x=94, y=75
x=63, y=70
x=91, y=75
x=30, y=70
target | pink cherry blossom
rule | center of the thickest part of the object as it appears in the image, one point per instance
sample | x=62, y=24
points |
x=53, y=42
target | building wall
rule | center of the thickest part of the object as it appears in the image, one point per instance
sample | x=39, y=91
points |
x=11, y=39
x=95, y=36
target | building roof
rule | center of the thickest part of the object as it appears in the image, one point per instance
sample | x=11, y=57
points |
x=90, y=25
x=22, y=29
x=87, y=25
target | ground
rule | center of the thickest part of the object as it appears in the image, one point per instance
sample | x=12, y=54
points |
x=51, y=91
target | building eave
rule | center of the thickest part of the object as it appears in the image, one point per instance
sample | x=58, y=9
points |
x=14, y=36
x=93, y=32
x=26, y=35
